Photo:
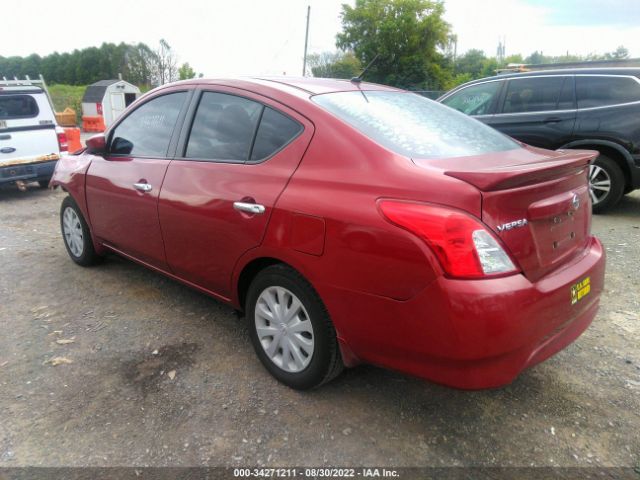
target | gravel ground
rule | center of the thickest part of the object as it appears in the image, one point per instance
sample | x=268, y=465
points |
x=127, y=331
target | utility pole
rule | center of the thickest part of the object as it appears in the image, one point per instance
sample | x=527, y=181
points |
x=306, y=42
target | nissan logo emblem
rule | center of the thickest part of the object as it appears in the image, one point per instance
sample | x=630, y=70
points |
x=575, y=201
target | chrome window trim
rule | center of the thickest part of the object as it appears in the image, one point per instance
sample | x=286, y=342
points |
x=472, y=85
x=637, y=102
x=542, y=112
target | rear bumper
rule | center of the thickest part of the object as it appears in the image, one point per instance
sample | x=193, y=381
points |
x=28, y=172
x=471, y=333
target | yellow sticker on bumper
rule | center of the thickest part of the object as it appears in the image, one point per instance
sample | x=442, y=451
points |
x=580, y=290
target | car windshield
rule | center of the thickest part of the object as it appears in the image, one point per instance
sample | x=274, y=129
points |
x=414, y=126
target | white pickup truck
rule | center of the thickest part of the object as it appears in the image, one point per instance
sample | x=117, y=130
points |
x=31, y=141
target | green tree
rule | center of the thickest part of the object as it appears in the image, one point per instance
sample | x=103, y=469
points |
x=620, y=53
x=165, y=69
x=334, y=65
x=185, y=72
x=471, y=62
x=489, y=67
x=514, y=58
x=31, y=66
x=140, y=64
x=459, y=79
x=536, y=58
x=408, y=35
x=87, y=67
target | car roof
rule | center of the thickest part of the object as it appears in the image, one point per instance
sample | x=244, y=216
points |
x=314, y=85
x=288, y=84
x=629, y=71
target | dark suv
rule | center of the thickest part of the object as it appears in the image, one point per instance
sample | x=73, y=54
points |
x=597, y=109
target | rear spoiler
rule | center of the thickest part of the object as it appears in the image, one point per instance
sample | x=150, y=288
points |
x=513, y=176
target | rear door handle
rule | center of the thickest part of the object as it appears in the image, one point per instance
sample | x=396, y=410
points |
x=249, y=207
x=143, y=187
x=552, y=120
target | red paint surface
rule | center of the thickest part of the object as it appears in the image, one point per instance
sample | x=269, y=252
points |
x=389, y=298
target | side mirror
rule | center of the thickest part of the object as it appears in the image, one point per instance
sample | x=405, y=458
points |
x=97, y=144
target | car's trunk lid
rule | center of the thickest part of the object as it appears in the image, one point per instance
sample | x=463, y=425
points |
x=536, y=201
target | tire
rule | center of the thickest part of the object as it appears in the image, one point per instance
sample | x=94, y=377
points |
x=603, y=173
x=76, y=234
x=308, y=331
x=44, y=183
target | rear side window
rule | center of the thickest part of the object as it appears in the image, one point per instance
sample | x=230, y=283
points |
x=275, y=131
x=474, y=100
x=18, y=106
x=223, y=127
x=146, y=132
x=414, y=126
x=602, y=91
x=533, y=94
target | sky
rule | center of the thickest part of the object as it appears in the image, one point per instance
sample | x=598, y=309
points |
x=249, y=37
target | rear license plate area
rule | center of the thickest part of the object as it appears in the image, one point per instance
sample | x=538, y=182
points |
x=580, y=290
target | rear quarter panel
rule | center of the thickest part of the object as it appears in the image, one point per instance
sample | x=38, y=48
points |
x=339, y=182
x=70, y=175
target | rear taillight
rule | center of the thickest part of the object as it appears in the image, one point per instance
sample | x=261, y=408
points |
x=63, y=144
x=463, y=245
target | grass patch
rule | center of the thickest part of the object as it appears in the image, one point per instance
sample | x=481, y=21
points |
x=64, y=96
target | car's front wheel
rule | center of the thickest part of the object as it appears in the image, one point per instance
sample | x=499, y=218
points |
x=606, y=183
x=76, y=234
x=290, y=329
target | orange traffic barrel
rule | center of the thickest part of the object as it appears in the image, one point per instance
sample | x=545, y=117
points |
x=93, y=123
x=73, y=139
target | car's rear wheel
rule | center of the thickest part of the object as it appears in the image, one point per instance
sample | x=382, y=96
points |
x=76, y=234
x=290, y=329
x=606, y=183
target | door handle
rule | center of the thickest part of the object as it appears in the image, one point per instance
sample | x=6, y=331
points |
x=143, y=187
x=552, y=120
x=249, y=207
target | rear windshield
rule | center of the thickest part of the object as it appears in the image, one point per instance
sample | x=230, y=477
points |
x=414, y=126
x=17, y=106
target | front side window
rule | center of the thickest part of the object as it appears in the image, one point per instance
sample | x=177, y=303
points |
x=602, y=91
x=414, y=126
x=17, y=106
x=223, y=127
x=533, y=94
x=474, y=100
x=146, y=132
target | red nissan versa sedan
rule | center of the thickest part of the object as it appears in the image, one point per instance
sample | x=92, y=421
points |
x=351, y=222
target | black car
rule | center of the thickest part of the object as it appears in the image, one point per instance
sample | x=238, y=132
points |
x=596, y=109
